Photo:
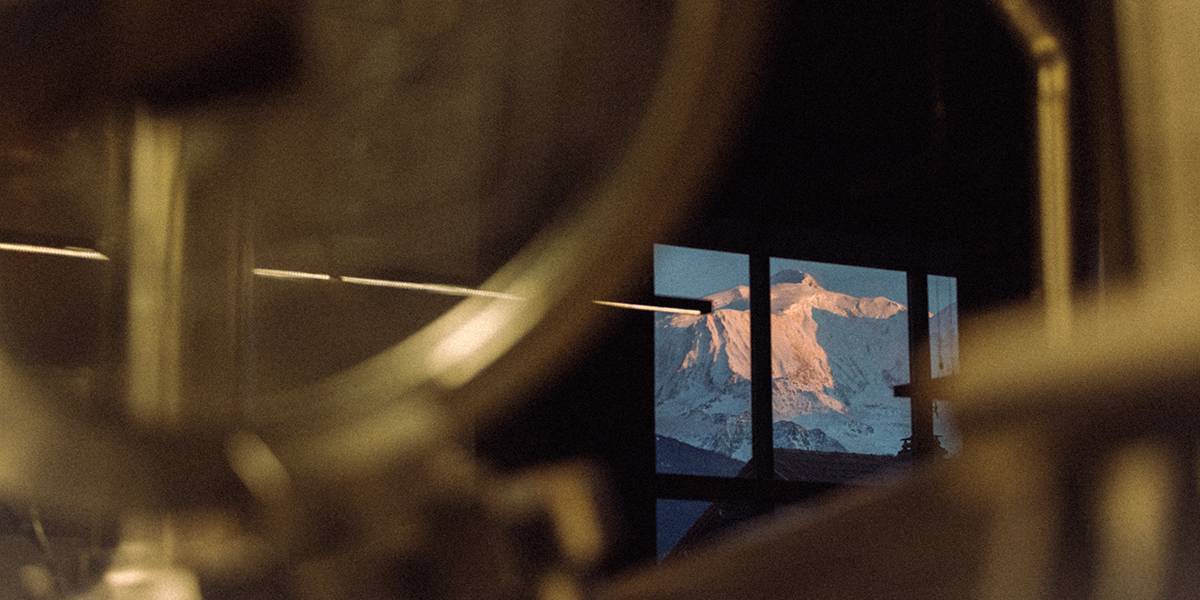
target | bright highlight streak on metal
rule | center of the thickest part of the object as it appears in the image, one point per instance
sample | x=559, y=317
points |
x=453, y=290
x=281, y=274
x=70, y=251
x=258, y=467
x=126, y=577
x=647, y=307
x=435, y=288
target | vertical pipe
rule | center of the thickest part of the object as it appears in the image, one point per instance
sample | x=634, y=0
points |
x=155, y=271
x=1157, y=45
x=1052, y=72
x=108, y=399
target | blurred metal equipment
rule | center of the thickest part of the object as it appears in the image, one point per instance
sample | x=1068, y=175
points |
x=247, y=430
x=1077, y=479
x=246, y=388
x=1079, y=472
x=1044, y=47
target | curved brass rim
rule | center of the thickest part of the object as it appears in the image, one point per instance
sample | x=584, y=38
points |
x=466, y=367
x=462, y=369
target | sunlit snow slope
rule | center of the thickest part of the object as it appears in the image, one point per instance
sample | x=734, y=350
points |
x=835, y=358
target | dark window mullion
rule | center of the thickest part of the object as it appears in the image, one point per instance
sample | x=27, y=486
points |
x=737, y=489
x=761, y=410
x=920, y=371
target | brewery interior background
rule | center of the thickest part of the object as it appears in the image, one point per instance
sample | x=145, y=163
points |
x=897, y=135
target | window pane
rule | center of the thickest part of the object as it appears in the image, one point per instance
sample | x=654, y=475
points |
x=702, y=363
x=945, y=428
x=943, y=351
x=943, y=325
x=839, y=343
x=674, y=518
x=687, y=525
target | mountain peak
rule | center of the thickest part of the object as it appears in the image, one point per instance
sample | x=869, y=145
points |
x=794, y=276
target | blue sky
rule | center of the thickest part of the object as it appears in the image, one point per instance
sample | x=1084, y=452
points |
x=942, y=291
x=856, y=281
x=694, y=273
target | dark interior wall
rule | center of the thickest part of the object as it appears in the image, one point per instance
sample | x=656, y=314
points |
x=839, y=159
x=600, y=411
x=989, y=210
x=842, y=161
x=841, y=131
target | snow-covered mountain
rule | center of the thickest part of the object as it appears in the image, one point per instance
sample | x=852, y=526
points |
x=674, y=456
x=835, y=358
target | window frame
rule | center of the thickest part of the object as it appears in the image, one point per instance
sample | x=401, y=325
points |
x=762, y=489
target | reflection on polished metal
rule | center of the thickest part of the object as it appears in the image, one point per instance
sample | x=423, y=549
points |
x=206, y=485
x=448, y=290
x=600, y=236
x=1044, y=46
x=156, y=262
x=282, y=274
x=1076, y=478
x=142, y=565
x=1079, y=469
x=1136, y=513
x=649, y=308
x=1080, y=460
x=68, y=251
x=1159, y=83
x=433, y=288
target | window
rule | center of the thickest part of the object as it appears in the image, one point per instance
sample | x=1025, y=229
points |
x=839, y=344
x=702, y=363
x=943, y=325
x=675, y=518
x=943, y=352
x=684, y=525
